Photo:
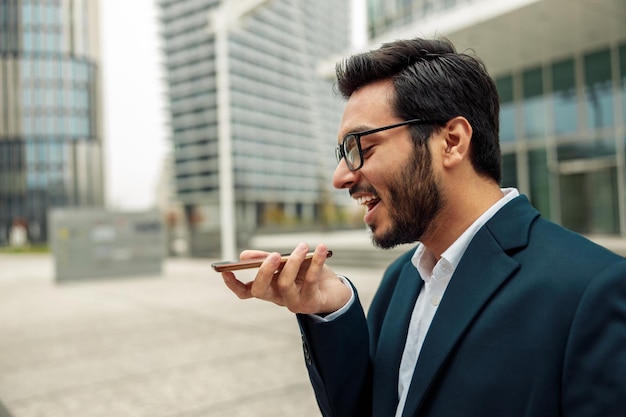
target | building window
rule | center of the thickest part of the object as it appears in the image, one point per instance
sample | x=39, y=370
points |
x=507, y=108
x=509, y=170
x=564, y=97
x=589, y=201
x=598, y=89
x=534, y=103
x=539, y=177
x=622, y=65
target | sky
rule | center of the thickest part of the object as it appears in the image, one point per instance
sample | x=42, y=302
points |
x=135, y=130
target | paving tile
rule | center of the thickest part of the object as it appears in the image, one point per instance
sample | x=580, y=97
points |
x=179, y=344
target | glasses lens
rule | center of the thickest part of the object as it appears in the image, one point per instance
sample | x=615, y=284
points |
x=351, y=151
x=338, y=153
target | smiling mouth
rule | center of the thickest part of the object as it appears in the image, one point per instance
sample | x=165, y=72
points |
x=368, y=202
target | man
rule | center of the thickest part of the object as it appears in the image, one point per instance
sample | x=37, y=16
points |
x=497, y=312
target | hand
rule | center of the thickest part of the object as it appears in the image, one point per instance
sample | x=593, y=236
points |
x=303, y=287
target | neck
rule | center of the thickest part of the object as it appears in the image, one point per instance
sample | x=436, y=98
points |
x=460, y=210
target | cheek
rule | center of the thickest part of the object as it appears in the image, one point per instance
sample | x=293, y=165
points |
x=386, y=170
x=389, y=162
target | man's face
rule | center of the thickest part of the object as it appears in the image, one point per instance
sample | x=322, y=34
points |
x=396, y=184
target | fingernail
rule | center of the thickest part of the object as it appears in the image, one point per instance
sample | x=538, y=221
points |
x=274, y=258
x=302, y=247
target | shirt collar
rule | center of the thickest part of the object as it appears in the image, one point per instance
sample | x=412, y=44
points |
x=425, y=262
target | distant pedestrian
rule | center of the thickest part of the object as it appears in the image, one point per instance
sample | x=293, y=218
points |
x=18, y=235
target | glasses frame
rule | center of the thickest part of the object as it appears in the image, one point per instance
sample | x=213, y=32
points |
x=340, y=150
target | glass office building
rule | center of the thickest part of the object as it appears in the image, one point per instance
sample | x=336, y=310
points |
x=560, y=69
x=282, y=116
x=50, y=112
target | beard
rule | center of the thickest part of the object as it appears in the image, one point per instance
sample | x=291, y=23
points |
x=414, y=200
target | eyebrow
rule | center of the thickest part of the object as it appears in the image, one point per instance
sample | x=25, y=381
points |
x=358, y=129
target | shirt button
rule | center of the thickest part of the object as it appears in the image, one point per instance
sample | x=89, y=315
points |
x=435, y=301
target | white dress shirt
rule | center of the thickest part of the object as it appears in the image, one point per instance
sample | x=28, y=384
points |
x=436, y=276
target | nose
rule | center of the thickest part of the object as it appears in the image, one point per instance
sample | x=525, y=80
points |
x=343, y=177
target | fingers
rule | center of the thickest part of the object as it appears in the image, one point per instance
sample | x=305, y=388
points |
x=318, y=262
x=286, y=280
x=240, y=289
x=293, y=264
x=311, y=289
x=252, y=254
x=261, y=286
x=295, y=284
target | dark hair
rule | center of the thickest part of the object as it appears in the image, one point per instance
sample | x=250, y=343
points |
x=432, y=81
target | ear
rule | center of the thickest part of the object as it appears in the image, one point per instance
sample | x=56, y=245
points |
x=458, y=136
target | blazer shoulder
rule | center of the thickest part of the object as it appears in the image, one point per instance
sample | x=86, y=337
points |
x=387, y=286
x=394, y=270
x=398, y=264
x=570, y=245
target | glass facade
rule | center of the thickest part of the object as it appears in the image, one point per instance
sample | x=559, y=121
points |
x=50, y=141
x=562, y=88
x=598, y=89
x=507, y=108
x=283, y=115
x=534, y=104
x=564, y=100
x=622, y=80
x=386, y=15
x=574, y=160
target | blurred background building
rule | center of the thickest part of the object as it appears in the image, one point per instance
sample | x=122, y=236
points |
x=248, y=70
x=560, y=69
x=50, y=112
x=253, y=116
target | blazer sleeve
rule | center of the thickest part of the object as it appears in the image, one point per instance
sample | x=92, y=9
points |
x=337, y=359
x=594, y=376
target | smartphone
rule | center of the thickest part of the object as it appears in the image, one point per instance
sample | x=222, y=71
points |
x=255, y=263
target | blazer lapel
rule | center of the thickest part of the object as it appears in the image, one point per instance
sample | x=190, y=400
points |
x=470, y=288
x=484, y=268
x=389, y=350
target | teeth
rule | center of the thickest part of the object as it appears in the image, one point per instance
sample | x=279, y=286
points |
x=366, y=199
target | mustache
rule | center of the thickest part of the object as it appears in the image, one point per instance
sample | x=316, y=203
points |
x=363, y=189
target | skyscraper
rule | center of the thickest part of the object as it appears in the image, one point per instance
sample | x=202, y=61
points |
x=282, y=115
x=50, y=111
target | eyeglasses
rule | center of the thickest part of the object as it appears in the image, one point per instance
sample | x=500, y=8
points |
x=350, y=148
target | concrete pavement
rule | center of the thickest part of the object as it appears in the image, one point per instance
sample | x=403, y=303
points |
x=179, y=344
x=174, y=345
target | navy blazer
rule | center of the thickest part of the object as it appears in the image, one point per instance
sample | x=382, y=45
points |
x=533, y=323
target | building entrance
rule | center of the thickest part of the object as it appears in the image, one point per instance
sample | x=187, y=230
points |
x=588, y=196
